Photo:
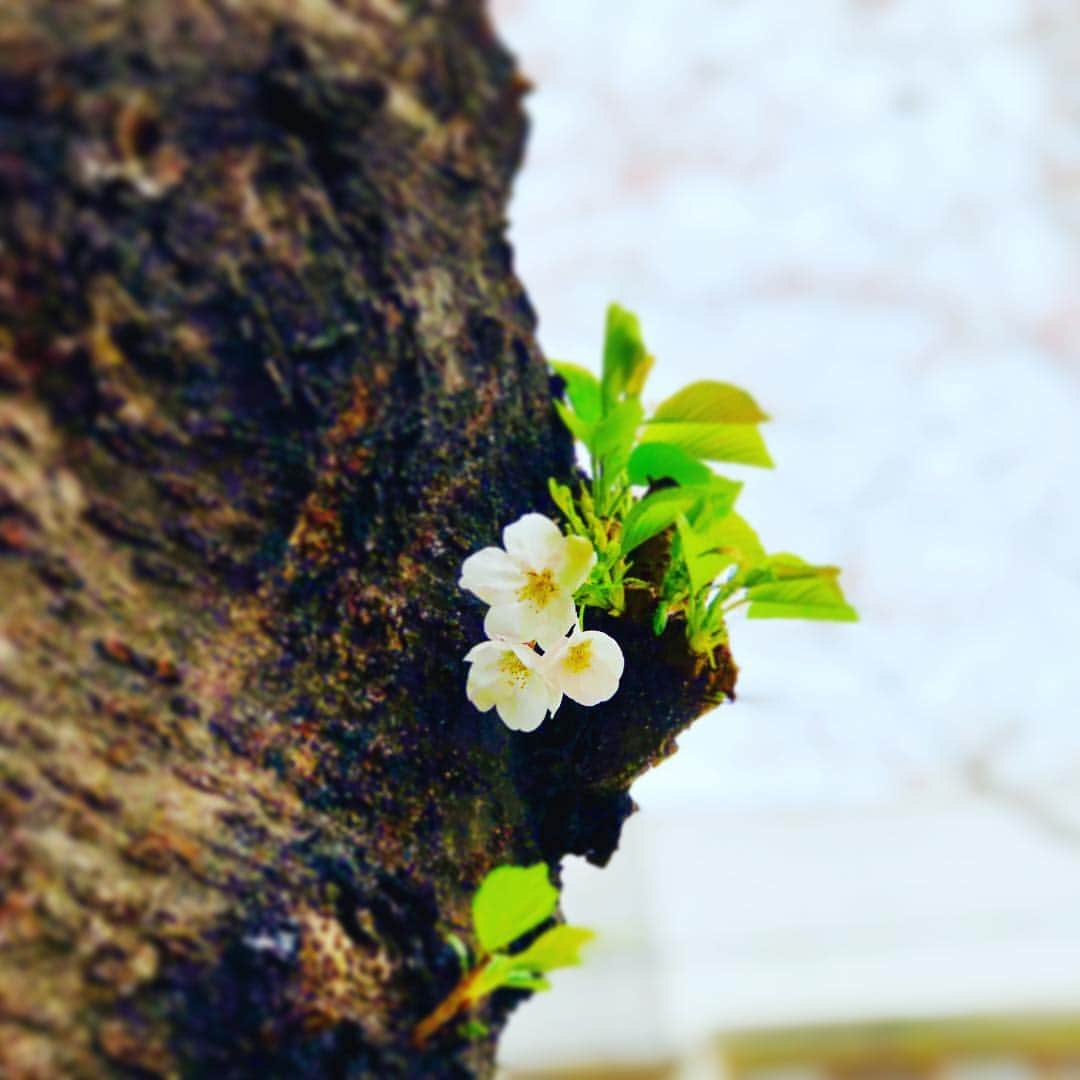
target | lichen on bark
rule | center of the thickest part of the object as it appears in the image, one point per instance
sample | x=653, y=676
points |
x=266, y=377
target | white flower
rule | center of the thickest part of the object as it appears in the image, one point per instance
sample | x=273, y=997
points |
x=586, y=666
x=508, y=676
x=530, y=586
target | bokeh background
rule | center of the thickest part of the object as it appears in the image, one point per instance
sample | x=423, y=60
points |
x=867, y=212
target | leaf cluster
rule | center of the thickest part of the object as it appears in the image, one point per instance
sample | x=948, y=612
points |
x=653, y=474
x=511, y=902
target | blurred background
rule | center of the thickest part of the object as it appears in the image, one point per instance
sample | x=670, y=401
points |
x=866, y=212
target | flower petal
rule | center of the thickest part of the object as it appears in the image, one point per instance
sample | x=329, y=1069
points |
x=587, y=669
x=484, y=685
x=578, y=559
x=481, y=653
x=481, y=691
x=526, y=709
x=534, y=541
x=522, y=621
x=492, y=575
x=502, y=671
x=555, y=695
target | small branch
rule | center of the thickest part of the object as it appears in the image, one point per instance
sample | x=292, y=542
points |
x=446, y=1010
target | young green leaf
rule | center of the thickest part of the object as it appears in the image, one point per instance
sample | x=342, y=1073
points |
x=580, y=429
x=563, y=498
x=512, y=900
x=504, y=971
x=461, y=950
x=473, y=1029
x=784, y=565
x=522, y=979
x=615, y=435
x=659, y=509
x=635, y=383
x=710, y=402
x=659, y=461
x=738, y=443
x=582, y=389
x=489, y=977
x=702, y=564
x=731, y=536
x=818, y=598
x=626, y=363
x=653, y=514
x=555, y=948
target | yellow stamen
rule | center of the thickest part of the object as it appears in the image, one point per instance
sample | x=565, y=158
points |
x=578, y=657
x=514, y=670
x=539, y=588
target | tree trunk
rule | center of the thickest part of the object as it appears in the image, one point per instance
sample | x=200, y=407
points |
x=266, y=378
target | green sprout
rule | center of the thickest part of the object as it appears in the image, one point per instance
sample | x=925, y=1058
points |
x=511, y=902
x=653, y=476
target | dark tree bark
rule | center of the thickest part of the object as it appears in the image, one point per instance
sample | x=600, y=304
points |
x=266, y=378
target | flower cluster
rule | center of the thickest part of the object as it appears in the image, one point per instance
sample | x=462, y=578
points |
x=530, y=586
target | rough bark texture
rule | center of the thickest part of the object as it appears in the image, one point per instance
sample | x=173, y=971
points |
x=266, y=377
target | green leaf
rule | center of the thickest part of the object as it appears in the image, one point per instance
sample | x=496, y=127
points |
x=807, y=596
x=731, y=536
x=739, y=443
x=784, y=566
x=522, y=979
x=653, y=514
x=460, y=949
x=702, y=564
x=558, y=947
x=503, y=971
x=489, y=977
x=711, y=543
x=582, y=389
x=615, y=435
x=512, y=900
x=710, y=402
x=784, y=562
x=626, y=363
x=812, y=611
x=580, y=429
x=473, y=1029
x=563, y=498
x=659, y=461
x=720, y=493
x=635, y=383
x=658, y=510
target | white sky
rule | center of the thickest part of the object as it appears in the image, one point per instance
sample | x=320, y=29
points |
x=867, y=213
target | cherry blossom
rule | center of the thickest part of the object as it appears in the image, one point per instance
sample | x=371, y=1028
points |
x=586, y=666
x=530, y=585
x=508, y=676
